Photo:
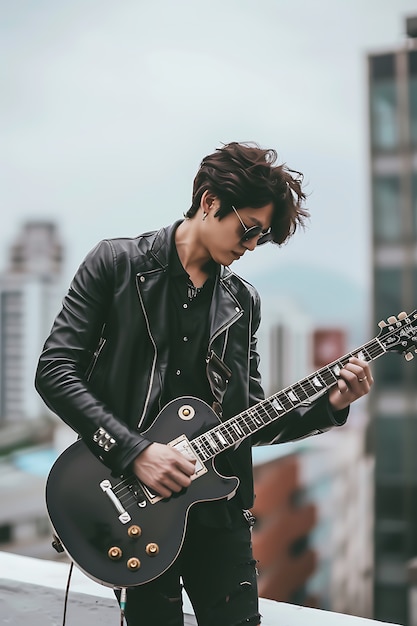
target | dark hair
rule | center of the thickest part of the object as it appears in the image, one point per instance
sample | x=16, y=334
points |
x=244, y=175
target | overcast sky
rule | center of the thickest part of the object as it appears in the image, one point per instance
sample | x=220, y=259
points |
x=108, y=107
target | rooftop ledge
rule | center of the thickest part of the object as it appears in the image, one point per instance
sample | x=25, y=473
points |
x=32, y=592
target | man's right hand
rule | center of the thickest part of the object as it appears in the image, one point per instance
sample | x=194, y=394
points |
x=163, y=469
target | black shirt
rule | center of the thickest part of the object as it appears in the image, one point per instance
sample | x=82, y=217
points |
x=189, y=334
x=186, y=373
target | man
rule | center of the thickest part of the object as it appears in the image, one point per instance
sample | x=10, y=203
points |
x=160, y=316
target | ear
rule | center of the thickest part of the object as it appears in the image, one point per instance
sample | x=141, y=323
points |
x=209, y=202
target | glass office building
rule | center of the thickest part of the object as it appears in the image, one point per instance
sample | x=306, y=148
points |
x=392, y=79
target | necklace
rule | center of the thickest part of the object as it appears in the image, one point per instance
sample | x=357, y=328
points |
x=192, y=291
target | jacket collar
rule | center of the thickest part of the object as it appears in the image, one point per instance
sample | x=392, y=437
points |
x=162, y=244
x=161, y=249
x=225, y=308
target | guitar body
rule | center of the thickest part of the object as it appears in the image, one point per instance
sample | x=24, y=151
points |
x=112, y=528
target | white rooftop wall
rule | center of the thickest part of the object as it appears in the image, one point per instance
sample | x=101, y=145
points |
x=32, y=592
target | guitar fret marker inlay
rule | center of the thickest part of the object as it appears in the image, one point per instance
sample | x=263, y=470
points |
x=277, y=406
x=211, y=442
x=222, y=439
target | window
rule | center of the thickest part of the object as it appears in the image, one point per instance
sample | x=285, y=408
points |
x=390, y=369
x=389, y=501
x=387, y=208
x=389, y=443
x=395, y=449
x=384, y=122
x=412, y=86
x=382, y=67
x=391, y=603
x=392, y=543
x=414, y=199
x=383, y=103
x=388, y=290
x=6, y=533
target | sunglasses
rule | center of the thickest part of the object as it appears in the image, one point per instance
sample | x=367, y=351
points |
x=254, y=231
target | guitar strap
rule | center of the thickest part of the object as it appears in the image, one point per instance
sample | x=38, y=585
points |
x=218, y=375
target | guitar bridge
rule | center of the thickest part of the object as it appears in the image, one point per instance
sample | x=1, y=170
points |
x=124, y=516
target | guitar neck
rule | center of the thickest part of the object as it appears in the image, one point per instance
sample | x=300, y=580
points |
x=229, y=433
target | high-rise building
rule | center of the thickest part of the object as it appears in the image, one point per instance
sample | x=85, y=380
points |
x=392, y=76
x=313, y=536
x=29, y=296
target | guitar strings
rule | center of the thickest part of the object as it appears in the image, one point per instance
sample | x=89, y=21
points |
x=228, y=433
x=373, y=350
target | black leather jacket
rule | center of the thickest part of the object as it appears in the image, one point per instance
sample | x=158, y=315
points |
x=103, y=365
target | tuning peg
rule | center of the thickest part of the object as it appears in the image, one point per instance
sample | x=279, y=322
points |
x=382, y=324
x=402, y=315
x=408, y=356
x=392, y=319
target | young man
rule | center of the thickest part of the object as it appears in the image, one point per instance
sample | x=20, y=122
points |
x=159, y=316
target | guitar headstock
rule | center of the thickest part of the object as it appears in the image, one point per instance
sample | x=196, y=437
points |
x=399, y=334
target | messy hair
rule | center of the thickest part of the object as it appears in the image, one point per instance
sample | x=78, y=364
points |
x=245, y=175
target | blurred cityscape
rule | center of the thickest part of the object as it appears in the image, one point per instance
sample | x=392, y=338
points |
x=336, y=514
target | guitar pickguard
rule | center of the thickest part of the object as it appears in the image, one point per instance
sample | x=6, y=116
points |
x=181, y=444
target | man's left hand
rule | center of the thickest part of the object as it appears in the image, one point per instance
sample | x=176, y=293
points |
x=355, y=381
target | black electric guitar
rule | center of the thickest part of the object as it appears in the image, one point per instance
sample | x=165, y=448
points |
x=122, y=535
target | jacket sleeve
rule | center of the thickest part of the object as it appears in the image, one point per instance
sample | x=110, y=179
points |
x=302, y=422
x=61, y=377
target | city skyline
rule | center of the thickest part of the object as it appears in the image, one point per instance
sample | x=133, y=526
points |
x=109, y=110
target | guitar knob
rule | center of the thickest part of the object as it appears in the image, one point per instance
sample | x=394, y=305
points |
x=114, y=553
x=134, y=531
x=152, y=549
x=133, y=563
x=392, y=319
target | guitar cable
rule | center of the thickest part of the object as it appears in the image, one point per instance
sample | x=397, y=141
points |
x=122, y=602
x=64, y=617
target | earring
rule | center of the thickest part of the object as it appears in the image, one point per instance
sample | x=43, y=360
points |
x=204, y=216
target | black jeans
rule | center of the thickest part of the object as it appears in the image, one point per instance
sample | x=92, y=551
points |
x=219, y=574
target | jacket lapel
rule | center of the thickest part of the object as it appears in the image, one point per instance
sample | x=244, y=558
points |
x=225, y=309
x=153, y=289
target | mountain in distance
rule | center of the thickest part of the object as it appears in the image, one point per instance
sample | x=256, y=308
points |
x=328, y=298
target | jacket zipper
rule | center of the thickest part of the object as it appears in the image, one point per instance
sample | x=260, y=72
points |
x=229, y=323
x=94, y=360
x=155, y=354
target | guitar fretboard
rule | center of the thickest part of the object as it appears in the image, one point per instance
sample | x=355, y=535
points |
x=234, y=430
